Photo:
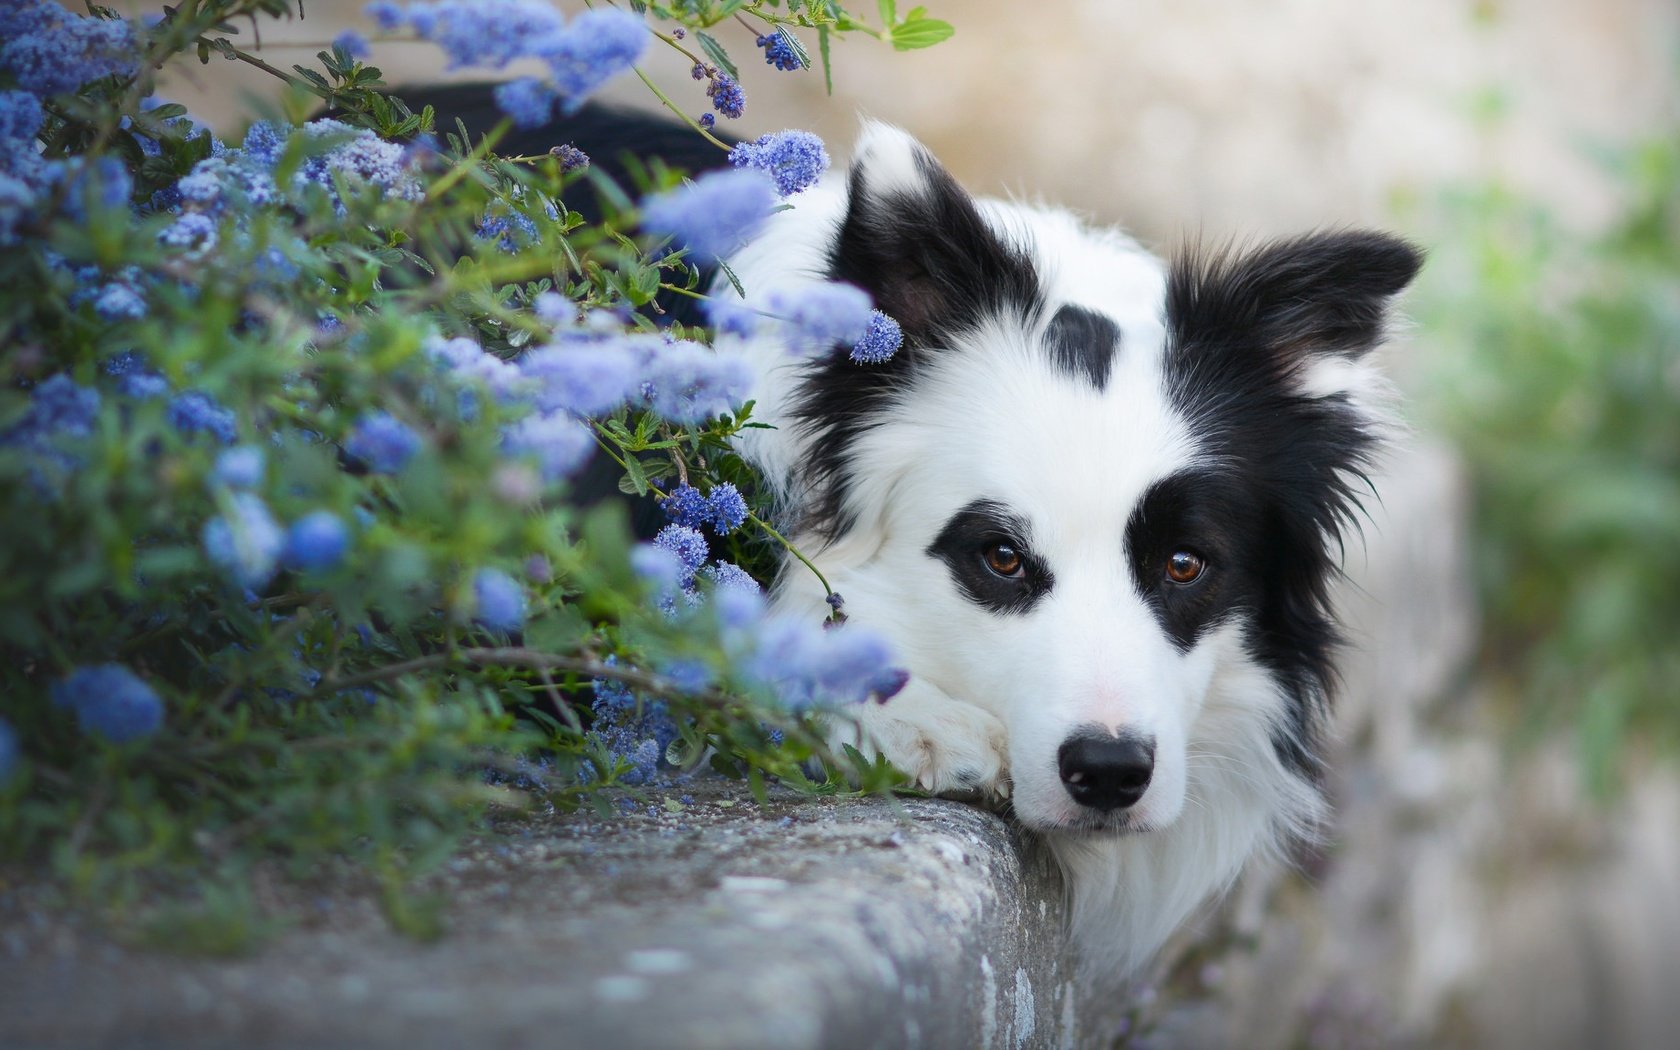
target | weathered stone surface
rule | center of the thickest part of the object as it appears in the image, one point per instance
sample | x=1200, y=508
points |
x=804, y=923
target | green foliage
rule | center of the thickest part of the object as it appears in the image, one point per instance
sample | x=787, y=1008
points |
x=362, y=707
x=1556, y=365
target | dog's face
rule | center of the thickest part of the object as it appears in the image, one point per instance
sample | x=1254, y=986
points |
x=1104, y=495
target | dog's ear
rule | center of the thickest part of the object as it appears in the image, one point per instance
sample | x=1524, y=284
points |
x=916, y=242
x=1317, y=304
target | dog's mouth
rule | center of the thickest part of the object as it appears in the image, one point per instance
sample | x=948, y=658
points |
x=1101, y=825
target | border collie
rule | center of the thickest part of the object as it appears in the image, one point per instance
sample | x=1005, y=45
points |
x=1096, y=501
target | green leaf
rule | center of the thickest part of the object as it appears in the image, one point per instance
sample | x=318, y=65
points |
x=796, y=47
x=717, y=54
x=923, y=32
x=889, y=12
x=636, y=474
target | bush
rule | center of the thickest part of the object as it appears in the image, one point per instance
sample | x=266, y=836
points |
x=1557, y=367
x=288, y=433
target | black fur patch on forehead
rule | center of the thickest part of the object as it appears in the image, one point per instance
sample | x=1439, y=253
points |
x=1083, y=343
x=931, y=262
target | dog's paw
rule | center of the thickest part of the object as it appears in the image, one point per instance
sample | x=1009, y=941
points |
x=945, y=747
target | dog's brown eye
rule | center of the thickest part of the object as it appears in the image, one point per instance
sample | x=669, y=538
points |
x=1003, y=559
x=1185, y=567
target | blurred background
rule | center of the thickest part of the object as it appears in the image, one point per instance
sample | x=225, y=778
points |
x=1506, y=866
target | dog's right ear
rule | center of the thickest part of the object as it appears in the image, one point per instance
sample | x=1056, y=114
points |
x=915, y=241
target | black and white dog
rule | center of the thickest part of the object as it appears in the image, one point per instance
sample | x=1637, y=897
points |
x=1096, y=501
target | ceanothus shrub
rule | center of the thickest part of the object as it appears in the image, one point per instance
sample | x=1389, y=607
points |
x=289, y=425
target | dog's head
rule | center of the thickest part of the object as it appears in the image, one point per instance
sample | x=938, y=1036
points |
x=1108, y=497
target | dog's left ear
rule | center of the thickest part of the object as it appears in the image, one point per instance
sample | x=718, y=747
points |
x=1317, y=303
x=916, y=242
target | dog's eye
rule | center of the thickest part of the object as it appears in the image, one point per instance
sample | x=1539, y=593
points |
x=1185, y=566
x=1003, y=559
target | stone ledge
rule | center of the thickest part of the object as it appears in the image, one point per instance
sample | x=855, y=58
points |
x=802, y=923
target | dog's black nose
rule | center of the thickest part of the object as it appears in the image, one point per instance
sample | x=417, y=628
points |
x=1106, y=772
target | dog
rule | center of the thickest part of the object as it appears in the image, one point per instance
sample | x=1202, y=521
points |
x=1096, y=501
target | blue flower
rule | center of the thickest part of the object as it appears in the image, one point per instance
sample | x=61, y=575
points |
x=689, y=547
x=58, y=408
x=529, y=101
x=726, y=95
x=118, y=301
x=660, y=567
x=357, y=159
x=688, y=383
x=730, y=316
x=353, y=44
x=511, y=231
x=134, y=379
x=778, y=52
x=383, y=442
x=196, y=411
x=686, y=506
x=498, y=600
x=631, y=730
x=240, y=467
x=17, y=202
x=823, y=314
x=316, y=542
x=806, y=665
x=726, y=508
x=599, y=44
x=246, y=542
x=582, y=374
x=21, y=117
x=728, y=576
x=385, y=14
x=880, y=341
x=99, y=183
x=489, y=34
x=795, y=159
x=559, y=442
x=713, y=216
x=464, y=359
x=264, y=142
x=192, y=233
x=9, y=751
x=110, y=701
x=688, y=676
x=50, y=51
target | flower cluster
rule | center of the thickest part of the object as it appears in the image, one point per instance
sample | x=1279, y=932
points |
x=795, y=159
x=49, y=50
x=714, y=215
x=723, y=509
x=580, y=57
x=880, y=340
x=110, y=701
x=778, y=52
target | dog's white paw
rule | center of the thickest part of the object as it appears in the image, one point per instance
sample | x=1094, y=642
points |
x=943, y=745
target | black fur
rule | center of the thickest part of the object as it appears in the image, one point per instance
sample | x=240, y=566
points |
x=961, y=545
x=1241, y=327
x=929, y=261
x=1083, y=343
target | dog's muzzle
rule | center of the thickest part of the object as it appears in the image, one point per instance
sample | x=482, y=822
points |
x=1104, y=772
